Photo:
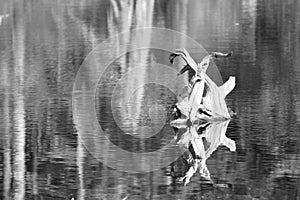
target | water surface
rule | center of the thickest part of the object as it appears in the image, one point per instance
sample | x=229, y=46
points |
x=42, y=45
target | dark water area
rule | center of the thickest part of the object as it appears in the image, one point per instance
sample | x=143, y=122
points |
x=42, y=46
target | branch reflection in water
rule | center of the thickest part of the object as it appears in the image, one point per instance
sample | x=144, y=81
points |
x=200, y=140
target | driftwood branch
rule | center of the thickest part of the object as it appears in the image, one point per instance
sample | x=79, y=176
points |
x=202, y=102
x=191, y=65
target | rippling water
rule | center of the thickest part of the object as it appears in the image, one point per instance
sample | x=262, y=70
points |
x=42, y=45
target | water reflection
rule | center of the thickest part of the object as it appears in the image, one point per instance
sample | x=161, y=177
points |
x=201, y=139
x=42, y=45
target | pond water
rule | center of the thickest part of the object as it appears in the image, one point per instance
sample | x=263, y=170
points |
x=44, y=43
